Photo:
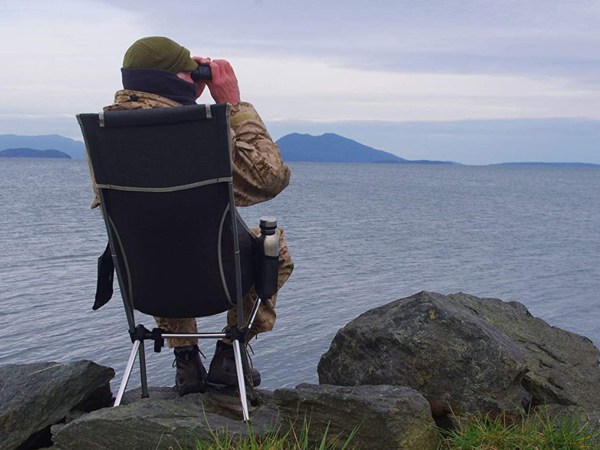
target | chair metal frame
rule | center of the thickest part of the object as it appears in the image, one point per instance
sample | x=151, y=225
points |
x=138, y=333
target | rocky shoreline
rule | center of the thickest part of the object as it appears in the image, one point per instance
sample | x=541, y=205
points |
x=396, y=372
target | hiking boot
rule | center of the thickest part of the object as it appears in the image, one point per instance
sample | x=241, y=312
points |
x=191, y=374
x=222, y=367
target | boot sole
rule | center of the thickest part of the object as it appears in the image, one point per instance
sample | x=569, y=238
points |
x=197, y=389
x=230, y=381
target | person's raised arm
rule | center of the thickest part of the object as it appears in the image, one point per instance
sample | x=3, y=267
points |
x=259, y=173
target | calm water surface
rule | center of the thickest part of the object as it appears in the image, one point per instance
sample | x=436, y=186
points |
x=361, y=236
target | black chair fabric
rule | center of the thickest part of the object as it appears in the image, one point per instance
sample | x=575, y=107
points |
x=137, y=155
x=164, y=177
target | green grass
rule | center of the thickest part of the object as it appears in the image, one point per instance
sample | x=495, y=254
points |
x=485, y=432
x=292, y=439
x=535, y=432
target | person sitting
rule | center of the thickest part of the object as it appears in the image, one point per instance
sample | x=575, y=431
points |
x=157, y=73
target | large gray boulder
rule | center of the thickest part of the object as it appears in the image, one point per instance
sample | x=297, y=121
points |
x=35, y=396
x=436, y=345
x=562, y=366
x=385, y=417
x=162, y=421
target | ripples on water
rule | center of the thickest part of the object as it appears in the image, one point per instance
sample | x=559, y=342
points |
x=361, y=236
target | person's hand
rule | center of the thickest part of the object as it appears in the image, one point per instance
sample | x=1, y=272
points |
x=224, y=86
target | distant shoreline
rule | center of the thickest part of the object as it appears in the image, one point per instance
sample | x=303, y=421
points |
x=549, y=164
x=456, y=164
x=384, y=163
x=32, y=153
x=295, y=147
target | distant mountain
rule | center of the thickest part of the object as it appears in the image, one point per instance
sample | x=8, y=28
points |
x=75, y=149
x=32, y=153
x=330, y=147
x=295, y=147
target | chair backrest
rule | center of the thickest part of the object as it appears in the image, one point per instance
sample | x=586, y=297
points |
x=165, y=182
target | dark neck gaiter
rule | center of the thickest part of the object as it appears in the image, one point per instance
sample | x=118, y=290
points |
x=159, y=82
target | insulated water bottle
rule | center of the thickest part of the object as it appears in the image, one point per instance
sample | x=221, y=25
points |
x=269, y=266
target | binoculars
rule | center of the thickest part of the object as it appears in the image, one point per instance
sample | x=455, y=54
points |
x=202, y=73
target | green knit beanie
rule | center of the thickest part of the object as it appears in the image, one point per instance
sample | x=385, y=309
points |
x=156, y=52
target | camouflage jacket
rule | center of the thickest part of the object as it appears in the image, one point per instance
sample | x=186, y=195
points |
x=259, y=173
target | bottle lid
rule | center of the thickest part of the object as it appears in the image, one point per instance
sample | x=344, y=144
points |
x=268, y=222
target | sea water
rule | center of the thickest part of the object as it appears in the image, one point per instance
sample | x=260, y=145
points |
x=361, y=235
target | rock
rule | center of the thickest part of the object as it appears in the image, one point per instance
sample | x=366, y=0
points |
x=162, y=421
x=563, y=366
x=435, y=345
x=35, y=396
x=386, y=417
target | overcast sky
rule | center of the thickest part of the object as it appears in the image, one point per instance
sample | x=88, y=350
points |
x=352, y=67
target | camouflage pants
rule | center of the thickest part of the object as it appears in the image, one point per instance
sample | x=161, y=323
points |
x=265, y=318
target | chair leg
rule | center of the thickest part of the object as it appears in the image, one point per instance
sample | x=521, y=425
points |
x=139, y=348
x=127, y=374
x=247, y=368
x=254, y=312
x=241, y=382
x=143, y=373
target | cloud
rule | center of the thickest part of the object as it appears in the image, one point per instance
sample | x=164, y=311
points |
x=314, y=61
x=472, y=36
x=320, y=91
x=62, y=55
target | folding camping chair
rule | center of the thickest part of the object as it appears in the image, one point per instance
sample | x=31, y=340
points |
x=164, y=177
